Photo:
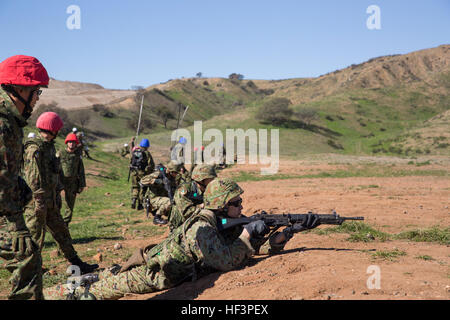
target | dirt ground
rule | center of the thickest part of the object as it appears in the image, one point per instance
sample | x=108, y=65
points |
x=324, y=267
x=328, y=267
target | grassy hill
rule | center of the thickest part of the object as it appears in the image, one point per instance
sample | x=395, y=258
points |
x=394, y=104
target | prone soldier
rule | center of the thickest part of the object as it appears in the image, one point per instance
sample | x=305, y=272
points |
x=188, y=196
x=194, y=249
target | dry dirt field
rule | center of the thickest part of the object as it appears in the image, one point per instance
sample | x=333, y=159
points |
x=319, y=265
x=324, y=267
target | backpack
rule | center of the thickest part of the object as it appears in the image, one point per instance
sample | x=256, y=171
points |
x=139, y=159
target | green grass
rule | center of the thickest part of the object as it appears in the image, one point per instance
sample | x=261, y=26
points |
x=358, y=231
x=364, y=171
x=389, y=255
x=434, y=234
x=425, y=257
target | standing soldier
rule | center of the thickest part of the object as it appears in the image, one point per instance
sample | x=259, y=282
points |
x=21, y=78
x=41, y=167
x=141, y=164
x=83, y=145
x=189, y=195
x=125, y=150
x=73, y=177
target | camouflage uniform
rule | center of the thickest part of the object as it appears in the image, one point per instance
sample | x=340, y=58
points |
x=189, y=195
x=42, y=175
x=160, y=204
x=137, y=174
x=73, y=179
x=26, y=269
x=124, y=151
x=193, y=250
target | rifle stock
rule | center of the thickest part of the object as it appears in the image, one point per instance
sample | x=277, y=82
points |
x=286, y=219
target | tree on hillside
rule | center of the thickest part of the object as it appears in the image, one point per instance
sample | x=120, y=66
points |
x=236, y=76
x=199, y=74
x=275, y=111
x=164, y=114
x=306, y=115
x=81, y=117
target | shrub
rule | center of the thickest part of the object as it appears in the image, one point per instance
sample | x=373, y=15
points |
x=275, y=111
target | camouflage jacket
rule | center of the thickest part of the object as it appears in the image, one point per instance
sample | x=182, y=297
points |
x=158, y=189
x=186, y=198
x=150, y=164
x=42, y=167
x=72, y=166
x=197, y=247
x=11, y=155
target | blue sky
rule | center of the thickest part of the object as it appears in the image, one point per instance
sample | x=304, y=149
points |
x=126, y=43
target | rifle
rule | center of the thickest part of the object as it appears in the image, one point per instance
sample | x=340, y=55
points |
x=129, y=171
x=147, y=206
x=276, y=221
x=166, y=181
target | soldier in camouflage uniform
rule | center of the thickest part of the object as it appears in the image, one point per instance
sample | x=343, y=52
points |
x=193, y=250
x=73, y=177
x=159, y=201
x=41, y=168
x=189, y=195
x=141, y=164
x=21, y=78
x=125, y=150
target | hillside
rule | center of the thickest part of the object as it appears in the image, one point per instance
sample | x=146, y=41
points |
x=366, y=108
x=75, y=95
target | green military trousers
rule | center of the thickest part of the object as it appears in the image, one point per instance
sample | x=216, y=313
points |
x=26, y=272
x=138, y=280
x=70, y=195
x=42, y=214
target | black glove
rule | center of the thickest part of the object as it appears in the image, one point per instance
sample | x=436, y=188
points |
x=257, y=229
x=312, y=220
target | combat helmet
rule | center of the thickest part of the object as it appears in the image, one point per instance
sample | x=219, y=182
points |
x=219, y=192
x=203, y=171
x=174, y=166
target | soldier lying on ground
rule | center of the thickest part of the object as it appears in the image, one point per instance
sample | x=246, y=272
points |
x=189, y=195
x=193, y=250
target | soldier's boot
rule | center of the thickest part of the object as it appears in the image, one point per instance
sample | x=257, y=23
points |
x=140, y=206
x=133, y=203
x=159, y=220
x=84, y=267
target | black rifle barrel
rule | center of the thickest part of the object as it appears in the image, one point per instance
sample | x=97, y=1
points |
x=278, y=220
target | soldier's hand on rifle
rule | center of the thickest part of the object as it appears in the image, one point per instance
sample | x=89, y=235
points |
x=257, y=229
x=312, y=220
